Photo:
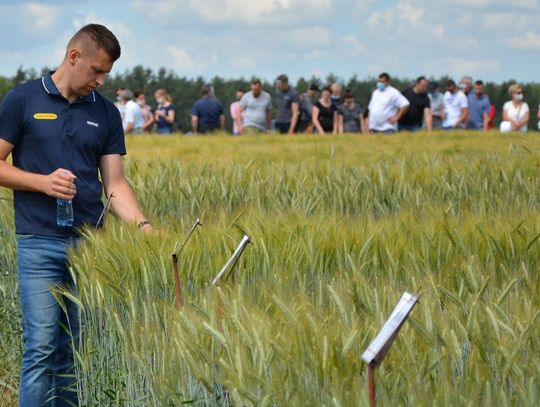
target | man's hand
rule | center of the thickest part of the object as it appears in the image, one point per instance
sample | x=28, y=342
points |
x=60, y=184
x=393, y=119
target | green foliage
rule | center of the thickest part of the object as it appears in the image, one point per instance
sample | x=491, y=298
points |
x=341, y=226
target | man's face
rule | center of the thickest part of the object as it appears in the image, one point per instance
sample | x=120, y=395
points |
x=451, y=88
x=282, y=86
x=465, y=86
x=141, y=100
x=479, y=90
x=89, y=69
x=422, y=87
x=336, y=90
x=256, y=88
x=349, y=102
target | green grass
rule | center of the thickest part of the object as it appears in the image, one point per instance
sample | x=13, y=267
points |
x=341, y=226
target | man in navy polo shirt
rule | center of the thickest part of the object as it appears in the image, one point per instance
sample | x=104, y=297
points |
x=60, y=132
x=207, y=113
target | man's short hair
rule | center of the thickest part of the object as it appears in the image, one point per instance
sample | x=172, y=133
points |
x=256, y=81
x=420, y=79
x=450, y=82
x=385, y=76
x=314, y=87
x=283, y=78
x=348, y=94
x=137, y=93
x=206, y=90
x=479, y=82
x=127, y=94
x=101, y=37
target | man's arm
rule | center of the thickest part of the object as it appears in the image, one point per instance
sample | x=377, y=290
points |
x=238, y=119
x=129, y=128
x=268, y=119
x=295, y=114
x=395, y=118
x=462, y=121
x=194, y=123
x=59, y=184
x=124, y=203
x=222, y=122
x=428, y=119
x=486, y=121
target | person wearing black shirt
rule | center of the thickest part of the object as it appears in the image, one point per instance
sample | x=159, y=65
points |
x=325, y=114
x=419, y=110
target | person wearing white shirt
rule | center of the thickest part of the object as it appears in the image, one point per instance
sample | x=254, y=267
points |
x=456, y=107
x=386, y=107
x=515, y=112
x=133, y=118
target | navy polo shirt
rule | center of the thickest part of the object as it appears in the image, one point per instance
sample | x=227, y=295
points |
x=49, y=133
x=208, y=110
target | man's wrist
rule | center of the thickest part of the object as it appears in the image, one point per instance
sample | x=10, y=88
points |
x=143, y=223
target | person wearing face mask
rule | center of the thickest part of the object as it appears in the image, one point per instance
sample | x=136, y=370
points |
x=336, y=94
x=515, y=111
x=350, y=115
x=165, y=113
x=120, y=106
x=479, y=108
x=148, y=115
x=436, y=101
x=133, y=118
x=465, y=85
x=456, y=107
x=386, y=107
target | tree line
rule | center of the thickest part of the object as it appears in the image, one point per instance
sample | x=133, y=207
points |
x=185, y=91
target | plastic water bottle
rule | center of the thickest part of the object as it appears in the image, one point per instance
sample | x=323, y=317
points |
x=64, y=212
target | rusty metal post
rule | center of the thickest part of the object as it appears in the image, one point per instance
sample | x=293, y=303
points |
x=371, y=385
x=177, y=288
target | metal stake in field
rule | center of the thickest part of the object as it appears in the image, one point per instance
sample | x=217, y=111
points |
x=105, y=209
x=380, y=346
x=176, y=275
x=231, y=263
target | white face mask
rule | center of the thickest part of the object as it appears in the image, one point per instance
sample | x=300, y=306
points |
x=518, y=96
x=141, y=102
x=160, y=100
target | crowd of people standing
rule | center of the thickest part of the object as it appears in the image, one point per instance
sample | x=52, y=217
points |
x=330, y=110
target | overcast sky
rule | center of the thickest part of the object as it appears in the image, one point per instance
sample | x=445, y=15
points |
x=489, y=39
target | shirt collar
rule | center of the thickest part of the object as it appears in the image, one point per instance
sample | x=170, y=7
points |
x=51, y=89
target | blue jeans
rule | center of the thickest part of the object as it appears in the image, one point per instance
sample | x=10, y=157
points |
x=409, y=127
x=164, y=130
x=47, y=373
x=283, y=127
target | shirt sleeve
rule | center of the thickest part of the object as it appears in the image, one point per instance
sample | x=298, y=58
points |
x=243, y=102
x=130, y=114
x=401, y=100
x=115, y=143
x=463, y=101
x=195, y=110
x=11, y=118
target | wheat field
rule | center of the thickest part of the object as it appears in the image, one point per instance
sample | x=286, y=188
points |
x=340, y=228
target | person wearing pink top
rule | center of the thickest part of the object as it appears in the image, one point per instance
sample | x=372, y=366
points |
x=235, y=110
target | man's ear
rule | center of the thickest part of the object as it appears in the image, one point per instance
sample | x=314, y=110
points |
x=74, y=55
